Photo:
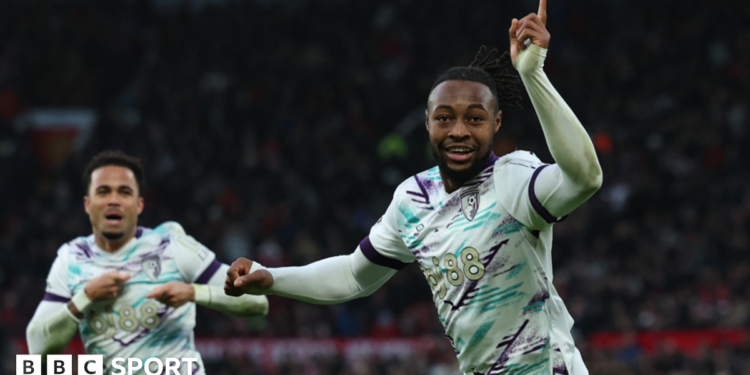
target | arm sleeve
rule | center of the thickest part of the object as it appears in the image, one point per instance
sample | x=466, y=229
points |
x=384, y=246
x=212, y=295
x=57, y=289
x=332, y=280
x=577, y=175
x=197, y=264
x=51, y=328
x=53, y=325
x=516, y=179
x=338, y=279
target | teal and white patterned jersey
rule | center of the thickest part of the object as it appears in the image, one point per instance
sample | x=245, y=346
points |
x=132, y=326
x=485, y=251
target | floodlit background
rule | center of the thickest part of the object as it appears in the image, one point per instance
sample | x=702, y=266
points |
x=278, y=130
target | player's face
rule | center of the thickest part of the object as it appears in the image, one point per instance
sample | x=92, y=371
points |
x=461, y=123
x=113, y=203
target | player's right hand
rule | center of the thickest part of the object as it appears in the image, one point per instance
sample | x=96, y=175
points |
x=240, y=281
x=106, y=286
x=532, y=27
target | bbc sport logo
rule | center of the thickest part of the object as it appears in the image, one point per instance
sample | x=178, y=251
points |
x=93, y=364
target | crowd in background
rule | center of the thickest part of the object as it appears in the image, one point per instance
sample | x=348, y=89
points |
x=278, y=131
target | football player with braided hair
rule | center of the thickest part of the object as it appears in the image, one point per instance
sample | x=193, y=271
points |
x=480, y=226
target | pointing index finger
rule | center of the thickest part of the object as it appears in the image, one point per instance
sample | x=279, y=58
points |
x=542, y=13
x=156, y=293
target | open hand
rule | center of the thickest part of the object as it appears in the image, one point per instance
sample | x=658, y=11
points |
x=240, y=280
x=173, y=294
x=106, y=286
x=533, y=27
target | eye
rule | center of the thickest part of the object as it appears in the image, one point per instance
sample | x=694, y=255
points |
x=442, y=118
x=476, y=118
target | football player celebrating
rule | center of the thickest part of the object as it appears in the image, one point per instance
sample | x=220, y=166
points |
x=130, y=290
x=479, y=226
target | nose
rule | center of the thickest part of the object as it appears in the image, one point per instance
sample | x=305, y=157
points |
x=113, y=200
x=459, y=130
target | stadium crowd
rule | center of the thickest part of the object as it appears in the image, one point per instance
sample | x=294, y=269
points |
x=278, y=130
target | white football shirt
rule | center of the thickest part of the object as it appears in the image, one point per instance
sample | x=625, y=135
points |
x=132, y=326
x=485, y=251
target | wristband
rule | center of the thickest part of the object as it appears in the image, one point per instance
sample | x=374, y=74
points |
x=81, y=301
x=256, y=266
x=202, y=294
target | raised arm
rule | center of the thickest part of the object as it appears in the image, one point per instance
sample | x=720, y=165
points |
x=577, y=175
x=328, y=281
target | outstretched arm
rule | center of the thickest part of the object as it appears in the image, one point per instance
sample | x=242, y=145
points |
x=577, y=175
x=203, y=279
x=211, y=294
x=328, y=281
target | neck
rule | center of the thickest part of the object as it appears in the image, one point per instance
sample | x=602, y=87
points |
x=453, y=181
x=111, y=246
x=449, y=184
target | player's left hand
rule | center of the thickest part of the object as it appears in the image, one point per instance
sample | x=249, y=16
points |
x=534, y=27
x=174, y=294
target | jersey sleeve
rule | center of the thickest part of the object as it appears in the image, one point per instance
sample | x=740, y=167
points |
x=516, y=177
x=384, y=245
x=196, y=263
x=57, y=289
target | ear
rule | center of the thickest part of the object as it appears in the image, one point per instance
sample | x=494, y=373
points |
x=140, y=205
x=86, y=203
x=498, y=120
x=427, y=119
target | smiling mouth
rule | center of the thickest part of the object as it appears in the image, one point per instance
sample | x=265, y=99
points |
x=459, y=153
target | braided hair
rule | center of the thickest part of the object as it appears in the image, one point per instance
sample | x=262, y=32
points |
x=493, y=72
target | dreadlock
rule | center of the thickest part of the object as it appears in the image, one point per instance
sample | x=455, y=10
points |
x=492, y=72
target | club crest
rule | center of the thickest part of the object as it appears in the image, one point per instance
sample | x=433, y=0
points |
x=151, y=267
x=470, y=203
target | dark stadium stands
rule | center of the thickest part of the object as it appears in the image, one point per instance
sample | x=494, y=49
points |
x=278, y=130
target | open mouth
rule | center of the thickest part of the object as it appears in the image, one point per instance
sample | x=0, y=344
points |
x=459, y=153
x=113, y=218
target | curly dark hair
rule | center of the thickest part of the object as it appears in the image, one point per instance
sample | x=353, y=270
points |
x=503, y=82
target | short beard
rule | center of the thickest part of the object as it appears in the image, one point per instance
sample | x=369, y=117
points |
x=461, y=177
x=113, y=235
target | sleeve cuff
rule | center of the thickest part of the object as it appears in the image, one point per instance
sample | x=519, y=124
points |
x=81, y=301
x=535, y=201
x=374, y=256
x=51, y=297
x=208, y=273
x=256, y=266
x=539, y=51
x=530, y=60
x=202, y=294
